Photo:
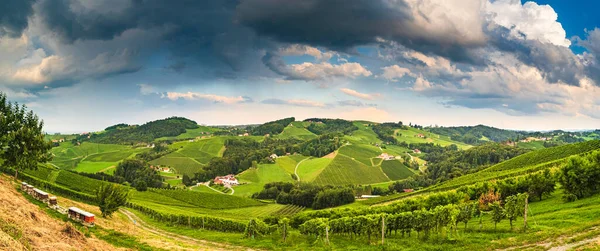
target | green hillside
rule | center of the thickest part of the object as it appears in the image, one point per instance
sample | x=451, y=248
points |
x=360, y=153
x=292, y=131
x=254, y=179
x=346, y=171
x=189, y=157
x=529, y=162
x=395, y=170
x=91, y=157
x=411, y=135
x=310, y=169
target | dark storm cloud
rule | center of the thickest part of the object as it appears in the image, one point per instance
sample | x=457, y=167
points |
x=343, y=24
x=200, y=30
x=14, y=15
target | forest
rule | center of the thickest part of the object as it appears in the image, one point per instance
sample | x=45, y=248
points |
x=145, y=133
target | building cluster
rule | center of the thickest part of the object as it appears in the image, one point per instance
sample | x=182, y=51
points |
x=386, y=156
x=74, y=213
x=227, y=180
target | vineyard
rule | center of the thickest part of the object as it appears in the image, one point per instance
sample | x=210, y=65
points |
x=207, y=200
x=529, y=162
x=395, y=170
x=361, y=153
x=345, y=171
x=288, y=210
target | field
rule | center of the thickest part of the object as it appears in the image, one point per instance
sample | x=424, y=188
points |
x=296, y=130
x=91, y=157
x=346, y=171
x=361, y=153
x=253, y=179
x=534, y=145
x=410, y=136
x=310, y=169
x=364, y=135
x=395, y=170
x=94, y=167
x=201, y=131
x=189, y=157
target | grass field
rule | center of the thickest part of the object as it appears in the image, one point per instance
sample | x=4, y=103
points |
x=296, y=130
x=346, y=171
x=83, y=158
x=93, y=167
x=395, y=170
x=201, y=131
x=364, y=134
x=310, y=169
x=182, y=165
x=410, y=136
x=361, y=153
x=254, y=179
x=534, y=145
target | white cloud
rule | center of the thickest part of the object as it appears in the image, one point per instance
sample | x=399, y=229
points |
x=320, y=71
x=299, y=50
x=528, y=21
x=357, y=94
x=394, y=72
x=202, y=96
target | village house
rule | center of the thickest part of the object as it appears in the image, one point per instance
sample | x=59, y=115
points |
x=273, y=156
x=386, y=156
x=228, y=180
x=420, y=135
x=408, y=190
x=417, y=151
x=246, y=134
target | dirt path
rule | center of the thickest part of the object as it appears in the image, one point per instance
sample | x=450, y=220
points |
x=575, y=244
x=296, y=169
x=207, y=245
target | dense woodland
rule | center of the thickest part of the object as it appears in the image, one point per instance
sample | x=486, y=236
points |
x=385, y=131
x=327, y=126
x=450, y=163
x=145, y=133
x=272, y=128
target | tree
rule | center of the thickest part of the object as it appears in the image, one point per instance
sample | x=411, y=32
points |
x=512, y=209
x=541, y=184
x=134, y=171
x=186, y=180
x=497, y=213
x=140, y=185
x=580, y=177
x=110, y=197
x=22, y=143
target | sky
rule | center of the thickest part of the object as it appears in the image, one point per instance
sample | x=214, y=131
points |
x=83, y=65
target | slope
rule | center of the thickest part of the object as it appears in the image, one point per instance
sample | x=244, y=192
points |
x=529, y=162
x=345, y=171
x=413, y=135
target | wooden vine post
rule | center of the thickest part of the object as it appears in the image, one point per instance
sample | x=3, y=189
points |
x=382, y=229
x=525, y=213
x=327, y=235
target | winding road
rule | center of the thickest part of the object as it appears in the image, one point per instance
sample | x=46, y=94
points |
x=296, y=169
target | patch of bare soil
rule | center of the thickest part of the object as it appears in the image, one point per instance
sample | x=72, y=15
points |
x=331, y=155
x=24, y=226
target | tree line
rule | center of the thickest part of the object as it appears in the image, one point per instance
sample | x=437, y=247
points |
x=306, y=195
x=146, y=133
